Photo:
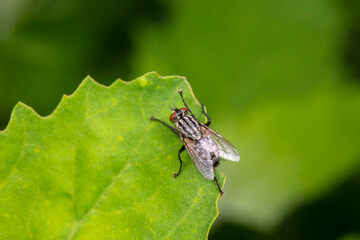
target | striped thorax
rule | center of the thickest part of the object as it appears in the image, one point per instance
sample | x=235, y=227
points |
x=186, y=124
x=189, y=127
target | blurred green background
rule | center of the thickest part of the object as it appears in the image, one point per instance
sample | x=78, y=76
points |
x=280, y=79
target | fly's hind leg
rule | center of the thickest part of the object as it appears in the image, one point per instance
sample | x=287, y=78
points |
x=207, y=117
x=221, y=192
x=152, y=118
x=180, y=151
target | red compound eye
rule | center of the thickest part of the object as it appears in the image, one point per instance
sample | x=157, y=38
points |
x=172, y=116
x=185, y=109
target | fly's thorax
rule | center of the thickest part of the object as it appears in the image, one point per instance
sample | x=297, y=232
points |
x=188, y=127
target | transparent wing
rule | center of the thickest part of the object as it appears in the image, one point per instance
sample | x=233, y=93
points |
x=226, y=150
x=202, y=161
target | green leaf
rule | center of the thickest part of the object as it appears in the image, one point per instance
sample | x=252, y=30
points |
x=98, y=168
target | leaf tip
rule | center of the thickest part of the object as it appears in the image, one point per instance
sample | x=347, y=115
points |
x=89, y=78
x=21, y=107
x=20, y=112
x=89, y=81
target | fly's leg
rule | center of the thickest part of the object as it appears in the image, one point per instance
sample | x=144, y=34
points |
x=221, y=192
x=170, y=127
x=182, y=98
x=176, y=132
x=180, y=151
x=202, y=108
x=203, y=112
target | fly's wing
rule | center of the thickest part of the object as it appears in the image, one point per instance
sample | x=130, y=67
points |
x=202, y=161
x=226, y=150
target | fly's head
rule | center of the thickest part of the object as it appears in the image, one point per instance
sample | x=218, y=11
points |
x=178, y=114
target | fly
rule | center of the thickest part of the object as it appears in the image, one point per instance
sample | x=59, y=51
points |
x=205, y=146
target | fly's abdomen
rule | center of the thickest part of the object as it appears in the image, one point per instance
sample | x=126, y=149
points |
x=206, y=149
x=189, y=127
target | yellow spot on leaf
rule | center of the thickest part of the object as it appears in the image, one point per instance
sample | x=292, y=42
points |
x=143, y=82
x=114, y=100
x=120, y=138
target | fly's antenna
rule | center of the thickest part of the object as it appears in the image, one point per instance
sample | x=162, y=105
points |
x=174, y=108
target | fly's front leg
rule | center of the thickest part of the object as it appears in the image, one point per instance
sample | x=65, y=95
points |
x=180, y=151
x=170, y=127
x=202, y=108
x=203, y=112
x=182, y=98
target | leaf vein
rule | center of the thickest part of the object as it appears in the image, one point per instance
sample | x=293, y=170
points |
x=187, y=213
x=13, y=168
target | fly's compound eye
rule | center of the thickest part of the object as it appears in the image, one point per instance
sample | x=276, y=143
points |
x=184, y=109
x=172, y=116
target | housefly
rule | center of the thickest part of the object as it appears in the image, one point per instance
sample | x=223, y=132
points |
x=205, y=146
